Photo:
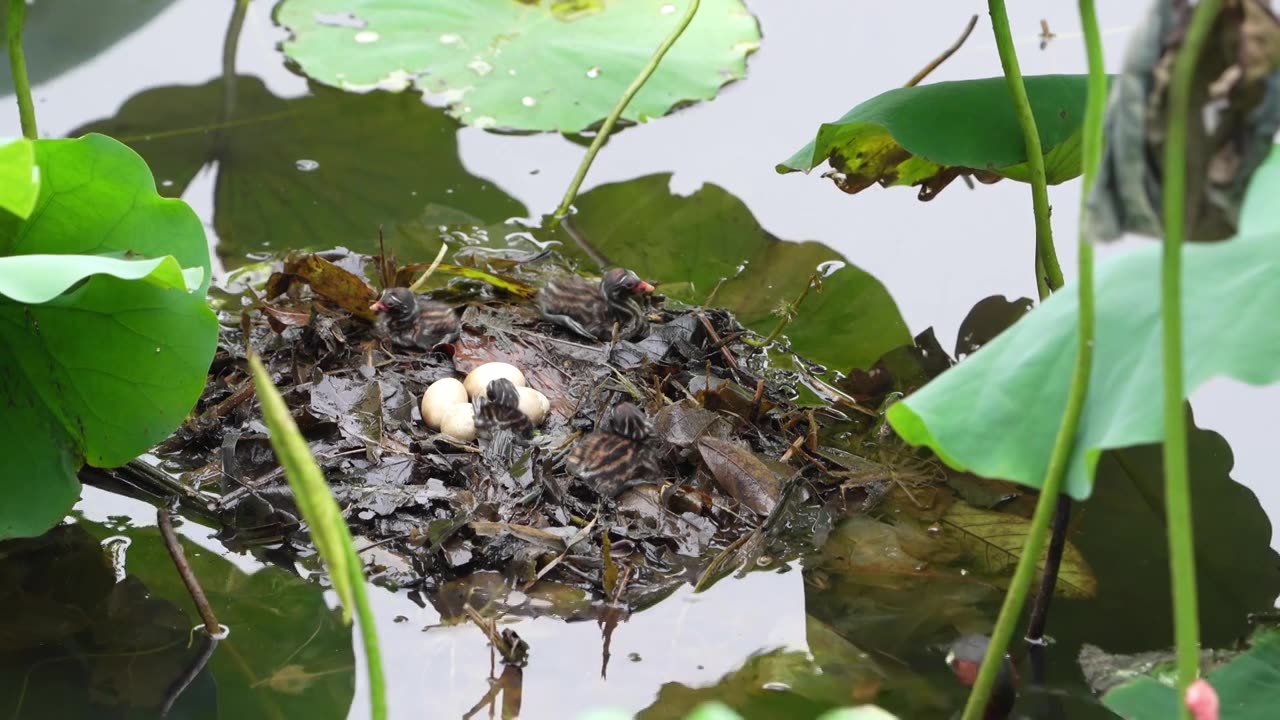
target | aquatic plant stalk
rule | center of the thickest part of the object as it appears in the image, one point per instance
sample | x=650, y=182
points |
x=18, y=64
x=1177, y=490
x=328, y=528
x=612, y=119
x=944, y=55
x=786, y=314
x=1014, y=599
x=1050, y=273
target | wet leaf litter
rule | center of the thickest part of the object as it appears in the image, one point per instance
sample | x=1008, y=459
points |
x=593, y=474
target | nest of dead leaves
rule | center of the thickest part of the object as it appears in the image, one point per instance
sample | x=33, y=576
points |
x=746, y=476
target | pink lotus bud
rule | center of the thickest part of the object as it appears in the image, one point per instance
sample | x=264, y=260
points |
x=1202, y=700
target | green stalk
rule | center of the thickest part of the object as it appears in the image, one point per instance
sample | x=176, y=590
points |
x=623, y=101
x=18, y=61
x=1177, y=489
x=1015, y=598
x=328, y=529
x=1046, y=256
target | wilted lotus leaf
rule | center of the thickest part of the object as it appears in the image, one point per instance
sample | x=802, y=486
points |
x=1235, y=112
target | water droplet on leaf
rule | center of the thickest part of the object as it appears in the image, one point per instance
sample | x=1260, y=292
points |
x=593, y=72
x=449, y=39
x=305, y=165
x=668, y=9
x=528, y=101
x=366, y=36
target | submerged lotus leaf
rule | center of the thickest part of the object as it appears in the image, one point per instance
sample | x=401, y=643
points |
x=284, y=183
x=995, y=540
x=1019, y=381
x=928, y=135
x=100, y=356
x=558, y=65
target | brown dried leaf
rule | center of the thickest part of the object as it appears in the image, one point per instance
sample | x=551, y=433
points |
x=741, y=474
x=279, y=319
x=327, y=280
x=682, y=423
x=527, y=533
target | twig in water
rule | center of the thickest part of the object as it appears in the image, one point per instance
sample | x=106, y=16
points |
x=179, y=558
x=756, y=400
x=716, y=342
x=933, y=64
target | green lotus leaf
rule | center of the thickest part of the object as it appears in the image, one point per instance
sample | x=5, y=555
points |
x=558, y=65
x=19, y=181
x=996, y=413
x=36, y=279
x=928, y=135
x=100, y=356
x=1248, y=687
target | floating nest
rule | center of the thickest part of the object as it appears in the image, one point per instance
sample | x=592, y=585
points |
x=753, y=454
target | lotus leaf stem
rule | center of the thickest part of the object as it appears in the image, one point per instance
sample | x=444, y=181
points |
x=1052, y=273
x=605, y=129
x=1177, y=491
x=1059, y=460
x=18, y=64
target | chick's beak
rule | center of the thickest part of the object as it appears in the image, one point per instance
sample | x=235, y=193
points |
x=378, y=306
x=643, y=287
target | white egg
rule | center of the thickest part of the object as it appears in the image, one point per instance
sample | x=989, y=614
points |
x=459, y=422
x=439, y=399
x=533, y=404
x=478, y=380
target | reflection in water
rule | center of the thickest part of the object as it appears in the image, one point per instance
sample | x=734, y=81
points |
x=318, y=171
x=79, y=641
